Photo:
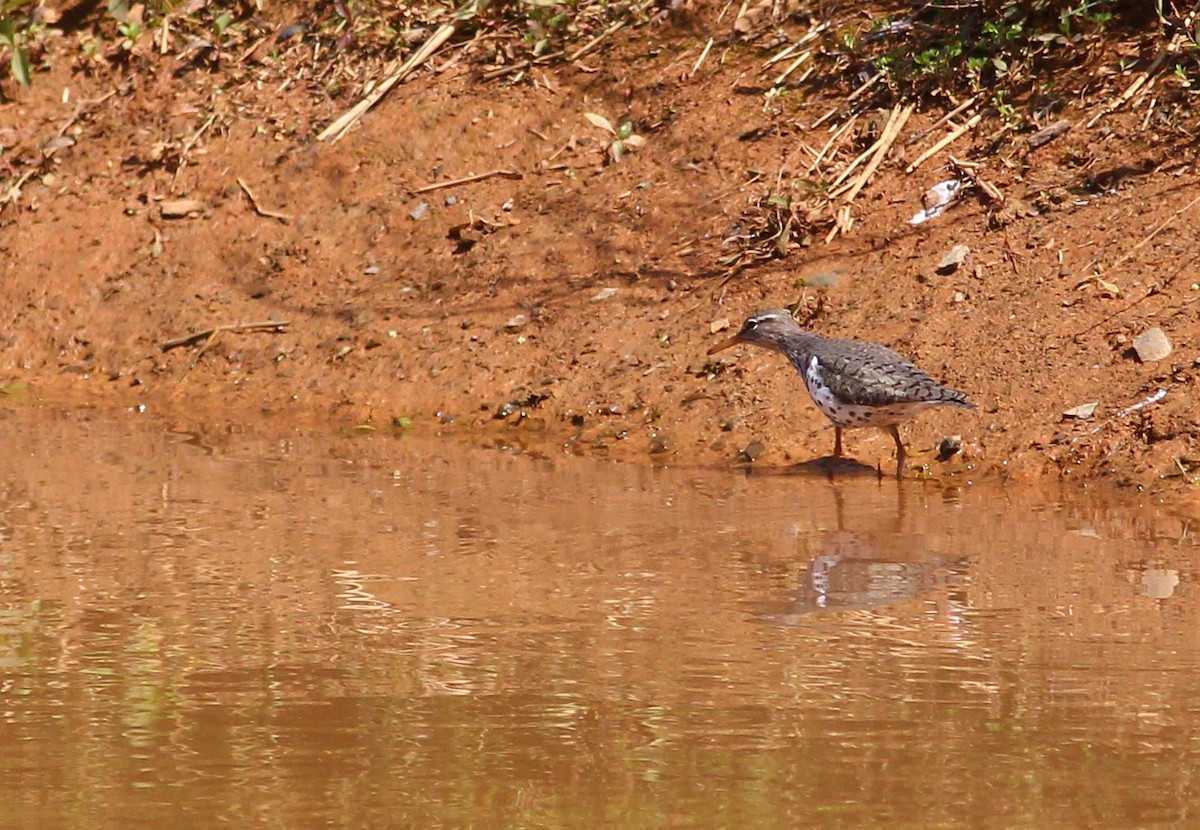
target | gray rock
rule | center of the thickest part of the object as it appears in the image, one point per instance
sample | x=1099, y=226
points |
x=953, y=259
x=1151, y=345
x=516, y=322
x=1082, y=412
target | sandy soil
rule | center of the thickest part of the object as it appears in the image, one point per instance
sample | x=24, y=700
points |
x=569, y=307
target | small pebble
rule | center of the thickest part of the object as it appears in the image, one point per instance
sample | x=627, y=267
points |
x=419, y=212
x=604, y=294
x=949, y=445
x=752, y=451
x=516, y=322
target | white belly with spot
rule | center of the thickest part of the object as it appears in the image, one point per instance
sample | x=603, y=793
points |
x=851, y=415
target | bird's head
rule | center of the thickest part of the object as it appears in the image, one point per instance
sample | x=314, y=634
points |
x=769, y=328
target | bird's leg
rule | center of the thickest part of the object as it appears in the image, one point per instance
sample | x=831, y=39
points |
x=837, y=449
x=900, y=455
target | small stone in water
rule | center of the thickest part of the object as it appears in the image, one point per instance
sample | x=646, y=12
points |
x=1151, y=345
x=949, y=445
x=753, y=451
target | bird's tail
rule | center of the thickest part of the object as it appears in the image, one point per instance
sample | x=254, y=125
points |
x=955, y=398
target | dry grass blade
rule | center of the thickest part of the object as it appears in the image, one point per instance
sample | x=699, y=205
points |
x=597, y=40
x=347, y=119
x=703, y=55
x=507, y=174
x=967, y=104
x=838, y=135
x=273, y=326
x=890, y=133
x=1171, y=47
x=873, y=149
x=259, y=209
x=955, y=134
x=783, y=76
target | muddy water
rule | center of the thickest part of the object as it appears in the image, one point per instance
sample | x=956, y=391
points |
x=202, y=628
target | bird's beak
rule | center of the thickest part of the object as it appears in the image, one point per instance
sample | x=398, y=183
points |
x=725, y=344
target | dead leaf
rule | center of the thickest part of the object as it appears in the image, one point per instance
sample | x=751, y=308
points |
x=600, y=121
x=177, y=208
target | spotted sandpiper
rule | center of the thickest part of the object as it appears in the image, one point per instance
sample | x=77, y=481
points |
x=855, y=384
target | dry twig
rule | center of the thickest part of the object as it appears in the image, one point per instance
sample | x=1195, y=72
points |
x=890, y=132
x=506, y=174
x=954, y=135
x=1145, y=239
x=347, y=119
x=259, y=209
x=970, y=170
x=703, y=55
x=792, y=67
x=597, y=40
x=870, y=82
x=922, y=133
x=1151, y=71
x=838, y=134
x=274, y=326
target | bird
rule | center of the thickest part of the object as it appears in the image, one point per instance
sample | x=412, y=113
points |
x=853, y=382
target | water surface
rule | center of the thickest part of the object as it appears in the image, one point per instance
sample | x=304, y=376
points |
x=208, y=627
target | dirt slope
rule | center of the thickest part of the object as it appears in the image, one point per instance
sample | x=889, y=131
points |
x=571, y=307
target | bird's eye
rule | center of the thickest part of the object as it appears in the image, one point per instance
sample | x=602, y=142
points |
x=751, y=323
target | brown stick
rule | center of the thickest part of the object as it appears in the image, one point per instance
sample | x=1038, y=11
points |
x=971, y=171
x=261, y=211
x=207, y=334
x=594, y=42
x=506, y=174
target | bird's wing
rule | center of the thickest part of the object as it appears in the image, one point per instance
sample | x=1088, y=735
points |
x=871, y=375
